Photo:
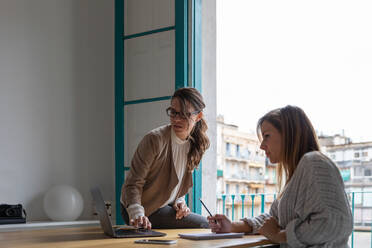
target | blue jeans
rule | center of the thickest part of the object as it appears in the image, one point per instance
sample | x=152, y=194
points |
x=165, y=218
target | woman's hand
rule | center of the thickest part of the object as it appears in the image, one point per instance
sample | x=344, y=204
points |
x=141, y=221
x=271, y=230
x=181, y=210
x=220, y=223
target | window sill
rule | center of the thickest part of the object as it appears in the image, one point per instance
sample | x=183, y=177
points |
x=47, y=225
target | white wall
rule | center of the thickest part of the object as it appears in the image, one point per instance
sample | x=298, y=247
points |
x=56, y=99
x=209, y=173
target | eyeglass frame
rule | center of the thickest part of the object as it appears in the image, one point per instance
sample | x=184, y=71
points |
x=180, y=114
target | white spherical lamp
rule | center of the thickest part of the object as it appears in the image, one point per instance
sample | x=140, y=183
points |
x=63, y=203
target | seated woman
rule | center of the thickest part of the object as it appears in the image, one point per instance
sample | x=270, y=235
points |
x=312, y=210
x=162, y=166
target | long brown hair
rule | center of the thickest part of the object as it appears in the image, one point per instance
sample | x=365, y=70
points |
x=199, y=141
x=298, y=137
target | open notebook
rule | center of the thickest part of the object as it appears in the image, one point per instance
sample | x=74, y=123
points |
x=205, y=236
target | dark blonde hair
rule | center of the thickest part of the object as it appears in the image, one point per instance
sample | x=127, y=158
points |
x=298, y=137
x=199, y=141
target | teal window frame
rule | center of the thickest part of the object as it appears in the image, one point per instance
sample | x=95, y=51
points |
x=196, y=72
x=182, y=68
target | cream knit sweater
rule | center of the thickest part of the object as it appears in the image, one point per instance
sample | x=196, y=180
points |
x=314, y=209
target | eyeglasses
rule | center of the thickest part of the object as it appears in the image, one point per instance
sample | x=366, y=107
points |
x=173, y=113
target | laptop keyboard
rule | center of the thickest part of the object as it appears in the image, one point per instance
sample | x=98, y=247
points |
x=133, y=231
x=137, y=233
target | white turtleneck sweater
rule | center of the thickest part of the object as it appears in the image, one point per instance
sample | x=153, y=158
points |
x=180, y=149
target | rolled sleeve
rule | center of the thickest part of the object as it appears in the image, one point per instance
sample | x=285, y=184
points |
x=180, y=200
x=292, y=239
x=256, y=222
x=135, y=211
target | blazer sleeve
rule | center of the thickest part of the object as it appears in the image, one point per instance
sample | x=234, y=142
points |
x=258, y=221
x=146, y=153
x=324, y=215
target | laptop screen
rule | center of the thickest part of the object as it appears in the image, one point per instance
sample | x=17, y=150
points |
x=102, y=212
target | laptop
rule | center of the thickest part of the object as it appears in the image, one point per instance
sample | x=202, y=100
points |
x=117, y=232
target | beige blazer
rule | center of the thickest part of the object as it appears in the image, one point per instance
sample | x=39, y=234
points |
x=152, y=176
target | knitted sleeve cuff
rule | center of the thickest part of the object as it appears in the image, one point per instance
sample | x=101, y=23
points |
x=292, y=239
x=135, y=211
x=181, y=199
x=256, y=222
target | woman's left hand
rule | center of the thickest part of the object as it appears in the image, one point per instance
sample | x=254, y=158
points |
x=271, y=230
x=181, y=210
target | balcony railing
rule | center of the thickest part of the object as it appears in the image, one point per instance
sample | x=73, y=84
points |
x=263, y=200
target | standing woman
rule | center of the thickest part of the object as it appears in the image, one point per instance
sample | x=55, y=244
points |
x=162, y=166
x=312, y=209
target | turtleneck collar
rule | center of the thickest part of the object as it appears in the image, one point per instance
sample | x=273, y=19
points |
x=178, y=140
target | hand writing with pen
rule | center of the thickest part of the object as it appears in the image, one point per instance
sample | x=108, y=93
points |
x=220, y=224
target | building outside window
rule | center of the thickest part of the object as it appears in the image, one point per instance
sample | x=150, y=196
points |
x=228, y=152
x=356, y=155
x=237, y=189
x=356, y=170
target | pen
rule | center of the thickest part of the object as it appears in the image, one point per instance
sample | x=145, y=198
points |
x=205, y=207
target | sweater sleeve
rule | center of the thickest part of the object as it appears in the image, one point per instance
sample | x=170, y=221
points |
x=324, y=214
x=142, y=160
x=258, y=221
x=180, y=199
x=135, y=211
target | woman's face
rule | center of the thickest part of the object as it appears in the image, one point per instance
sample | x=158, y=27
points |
x=271, y=142
x=180, y=125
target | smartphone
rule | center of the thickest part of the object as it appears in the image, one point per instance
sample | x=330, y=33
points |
x=156, y=241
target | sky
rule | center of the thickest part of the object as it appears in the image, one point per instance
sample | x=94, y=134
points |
x=313, y=54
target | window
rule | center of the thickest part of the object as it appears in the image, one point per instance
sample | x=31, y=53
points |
x=227, y=149
x=367, y=197
x=254, y=173
x=333, y=156
x=358, y=196
x=227, y=188
x=238, y=151
x=247, y=153
x=345, y=174
x=349, y=53
x=358, y=171
x=237, y=189
x=227, y=166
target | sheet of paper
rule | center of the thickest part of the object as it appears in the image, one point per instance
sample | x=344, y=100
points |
x=204, y=236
